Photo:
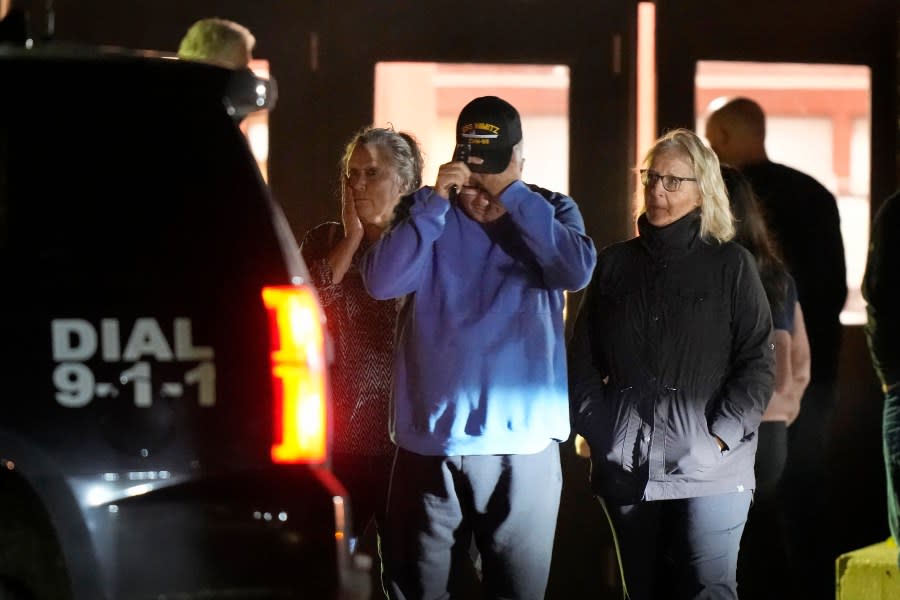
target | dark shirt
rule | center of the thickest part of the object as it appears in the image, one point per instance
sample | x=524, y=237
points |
x=784, y=318
x=881, y=289
x=804, y=218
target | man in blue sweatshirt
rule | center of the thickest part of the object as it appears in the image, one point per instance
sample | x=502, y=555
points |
x=479, y=399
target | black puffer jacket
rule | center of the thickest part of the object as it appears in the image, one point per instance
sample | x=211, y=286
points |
x=671, y=347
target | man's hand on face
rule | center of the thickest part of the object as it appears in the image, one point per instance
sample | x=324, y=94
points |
x=451, y=175
x=478, y=194
x=479, y=205
x=495, y=183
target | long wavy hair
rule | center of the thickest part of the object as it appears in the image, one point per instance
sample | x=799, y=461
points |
x=716, y=220
x=753, y=234
x=399, y=148
x=402, y=151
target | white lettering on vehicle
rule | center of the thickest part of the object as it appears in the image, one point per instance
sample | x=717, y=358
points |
x=77, y=341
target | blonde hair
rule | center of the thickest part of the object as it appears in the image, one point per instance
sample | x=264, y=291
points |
x=716, y=220
x=218, y=41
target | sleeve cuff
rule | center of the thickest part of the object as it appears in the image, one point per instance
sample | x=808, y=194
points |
x=429, y=203
x=514, y=195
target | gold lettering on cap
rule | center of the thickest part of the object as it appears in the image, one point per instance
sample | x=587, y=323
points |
x=469, y=127
x=488, y=127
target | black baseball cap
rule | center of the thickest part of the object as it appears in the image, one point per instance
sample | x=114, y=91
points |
x=491, y=126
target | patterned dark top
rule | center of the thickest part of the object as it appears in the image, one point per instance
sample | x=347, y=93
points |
x=363, y=332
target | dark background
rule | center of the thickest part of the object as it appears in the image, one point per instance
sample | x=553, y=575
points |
x=324, y=98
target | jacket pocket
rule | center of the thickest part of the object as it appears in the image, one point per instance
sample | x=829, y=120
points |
x=611, y=428
x=695, y=453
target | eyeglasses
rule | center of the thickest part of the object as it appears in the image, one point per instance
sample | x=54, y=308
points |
x=671, y=183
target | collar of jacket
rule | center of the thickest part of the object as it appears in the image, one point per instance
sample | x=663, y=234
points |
x=672, y=240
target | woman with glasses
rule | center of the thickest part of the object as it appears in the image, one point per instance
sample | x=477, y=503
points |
x=378, y=168
x=670, y=370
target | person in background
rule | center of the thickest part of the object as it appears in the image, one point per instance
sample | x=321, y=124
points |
x=218, y=41
x=13, y=24
x=881, y=289
x=792, y=356
x=803, y=217
x=670, y=368
x=378, y=168
x=230, y=45
x=479, y=401
x=762, y=545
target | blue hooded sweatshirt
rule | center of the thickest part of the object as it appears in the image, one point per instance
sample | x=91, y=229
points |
x=480, y=363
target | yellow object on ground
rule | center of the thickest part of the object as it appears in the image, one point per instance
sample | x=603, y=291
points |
x=869, y=573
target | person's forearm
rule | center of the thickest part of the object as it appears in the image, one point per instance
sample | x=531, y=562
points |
x=750, y=384
x=555, y=235
x=393, y=266
x=341, y=256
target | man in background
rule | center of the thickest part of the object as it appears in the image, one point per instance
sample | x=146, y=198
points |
x=228, y=44
x=804, y=218
x=218, y=41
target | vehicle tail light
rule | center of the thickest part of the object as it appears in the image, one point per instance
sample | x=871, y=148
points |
x=299, y=375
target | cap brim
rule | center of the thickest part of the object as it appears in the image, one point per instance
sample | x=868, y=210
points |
x=495, y=161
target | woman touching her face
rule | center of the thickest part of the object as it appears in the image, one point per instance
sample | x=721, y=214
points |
x=379, y=166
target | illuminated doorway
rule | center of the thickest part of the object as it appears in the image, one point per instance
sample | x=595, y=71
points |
x=817, y=121
x=424, y=98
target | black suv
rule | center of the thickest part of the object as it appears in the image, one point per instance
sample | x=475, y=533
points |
x=165, y=421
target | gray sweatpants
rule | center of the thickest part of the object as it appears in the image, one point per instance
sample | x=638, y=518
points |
x=436, y=504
